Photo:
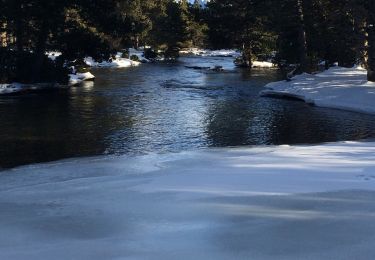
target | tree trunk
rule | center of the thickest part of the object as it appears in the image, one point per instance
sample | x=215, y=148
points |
x=136, y=42
x=248, y=55
x=302, y=42
x=371, y=41
x=19, y=25
x=40, y=51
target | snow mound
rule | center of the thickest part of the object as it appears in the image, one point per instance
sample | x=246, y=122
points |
x=340, y=88
x=211, y=53
x=78, y=78
x=263, y=64
x=14, y=88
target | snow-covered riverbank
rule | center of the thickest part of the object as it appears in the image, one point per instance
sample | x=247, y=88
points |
x=302, y=202
x=341, y=88
x=225, y=53
x=211, y=53
x=17, y=88
x=116, y=62
x=74, y=78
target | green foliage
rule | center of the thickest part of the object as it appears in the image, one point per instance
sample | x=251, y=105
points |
x=150, y=54
x=241, y=24
x=34, y=27
x=297, y=31
x=18, y=67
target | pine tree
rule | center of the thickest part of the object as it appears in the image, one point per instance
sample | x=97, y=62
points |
x=171, y=27
x=291, y=24
x=241, y=24
x=345, y=32
x=77, y=28
x=299, y=31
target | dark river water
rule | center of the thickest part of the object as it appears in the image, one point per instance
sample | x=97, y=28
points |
x=164, y=108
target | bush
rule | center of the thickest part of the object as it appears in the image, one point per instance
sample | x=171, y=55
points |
x=172, y=53
x=20, y=67
x=150, y=54
x=134, y=58
x=125, y=54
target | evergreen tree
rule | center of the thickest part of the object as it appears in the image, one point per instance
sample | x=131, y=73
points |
x=30, y=24
x=241, y=24
x=136, y=23
x=331, y=30
x=222, y=25
x=291, y=25
x=77, y=28
x=172, y=27
x=298, y=31
x=345, y=33
x=198, y=27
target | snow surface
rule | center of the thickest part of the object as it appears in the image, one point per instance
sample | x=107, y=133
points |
x=340, y=88
x=286, y=202
x=78, y=78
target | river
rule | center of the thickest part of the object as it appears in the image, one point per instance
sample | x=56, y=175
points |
x=164, y=107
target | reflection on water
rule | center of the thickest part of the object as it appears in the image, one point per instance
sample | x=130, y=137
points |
x=164, y=107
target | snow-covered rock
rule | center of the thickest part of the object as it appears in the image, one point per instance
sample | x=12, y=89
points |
x=52, y=55
x=78, y=78
x=118, y=62
x=340, y=88
x=286, y=202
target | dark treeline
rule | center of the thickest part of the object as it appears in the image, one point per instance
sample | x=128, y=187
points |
x=79, y=28
x=303, y=32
